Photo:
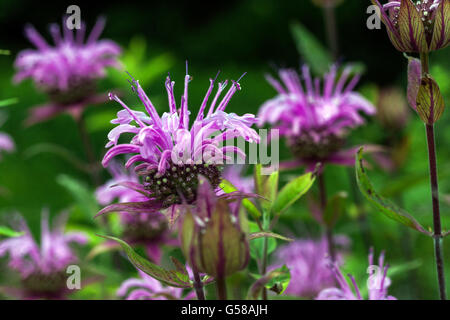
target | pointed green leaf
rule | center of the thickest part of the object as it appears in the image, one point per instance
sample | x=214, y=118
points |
x=311, y=50
x=430, y=103
x=292, y=192
x=385, y=206
x=10, y=233
x=257, y=235
x=7, y=102
x=173, y=278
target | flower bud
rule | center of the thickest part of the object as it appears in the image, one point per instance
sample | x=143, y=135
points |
x=213, y=238
x=416, y=26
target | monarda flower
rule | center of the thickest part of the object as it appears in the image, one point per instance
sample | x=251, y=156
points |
x=416, y=26
x=148, y=288
x=67, y=72
x=316, y=120
x=377, y=283
x=149, y=230
x=308, y=264
x=171, y=153
x=42, y=267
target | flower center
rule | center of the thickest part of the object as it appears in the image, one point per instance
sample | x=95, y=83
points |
x=50, y=285
x=77, y=90
x=315, y=145
x=179, y=182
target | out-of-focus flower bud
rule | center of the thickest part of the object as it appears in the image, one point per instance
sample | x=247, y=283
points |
x=392, y=109
x=213, y=238
x=416, y=26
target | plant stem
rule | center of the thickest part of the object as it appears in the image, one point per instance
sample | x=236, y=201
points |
x=323, y=205
x=437, y=235
x=221, y=287
x=331, y=30
x=264, y=266
x=88, y=150
x=198, y=285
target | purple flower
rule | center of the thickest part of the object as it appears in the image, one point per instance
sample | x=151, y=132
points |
x=416, y=26
x=377, y=283
x=315, y=118
x=42, y=267
x=6, y=143
x=67, y=71
x=308, y=261
x=150, y=230
x=148, y=288
x=171, y=153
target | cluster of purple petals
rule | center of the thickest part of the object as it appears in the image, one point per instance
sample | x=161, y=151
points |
x=172, y=138
x=52, y=255
x=377, y=284
x=318, y=109
x=72, y=61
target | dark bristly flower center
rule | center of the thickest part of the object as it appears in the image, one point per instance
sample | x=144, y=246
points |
x=317, y=147
x=179, y=183
x=78, y=89
x=50, y=285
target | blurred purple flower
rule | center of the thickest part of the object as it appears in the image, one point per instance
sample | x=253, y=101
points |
x=68, y=71
x=171, y=153
x=150, y=230
x=316, y=120
x=234, y=174
x=42, y=267
x=308, y=261
x=377, y=283
x=148, y=288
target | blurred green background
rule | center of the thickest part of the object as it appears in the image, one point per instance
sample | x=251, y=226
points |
x=252, y=36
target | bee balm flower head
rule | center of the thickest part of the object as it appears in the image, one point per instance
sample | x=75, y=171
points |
x=169, y=152
x=315, y=118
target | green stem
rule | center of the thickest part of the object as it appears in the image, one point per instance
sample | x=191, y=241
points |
x=331, y=30
x=323, y=205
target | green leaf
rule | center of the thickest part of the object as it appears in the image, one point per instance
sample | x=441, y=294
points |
x=173, y=278
x=430, y=103
x=276, y=280
x=83, y=196
x=335, y=207
x=385, y=206
x=292, y=192
x=257, y=235
x=4, y=52
x=7, y=102
x=312, y=51
x=228, y=187
x=10, y=233
x=266, y=186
